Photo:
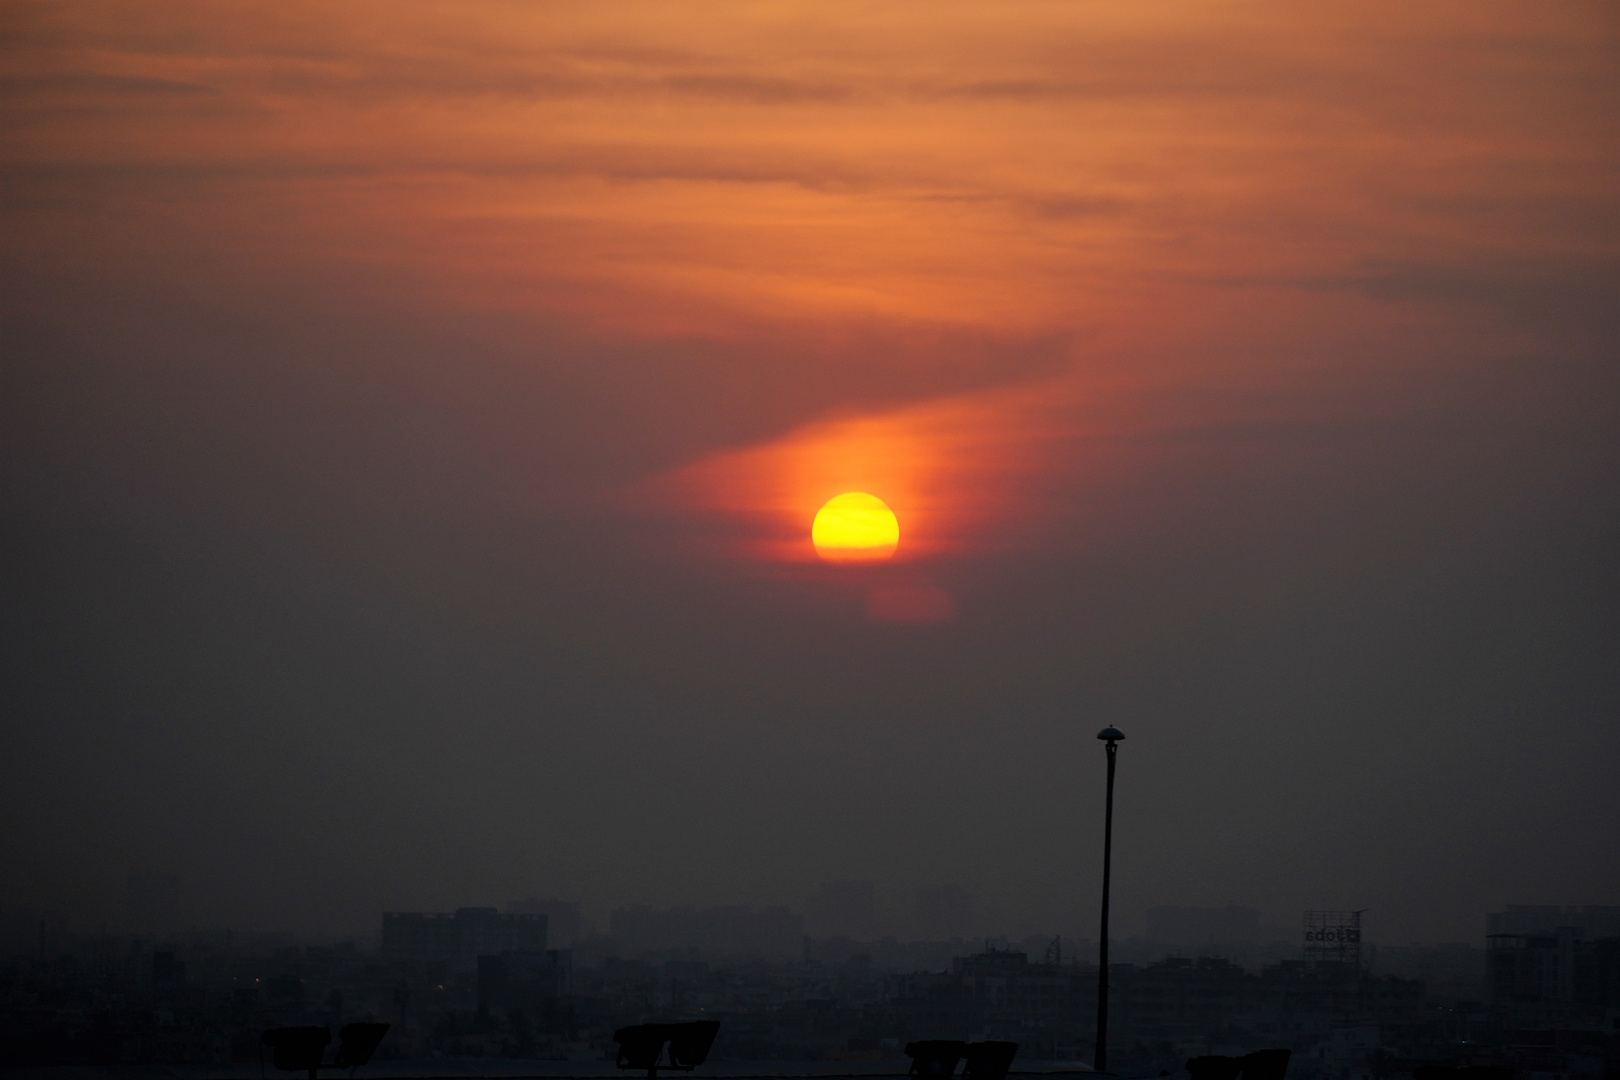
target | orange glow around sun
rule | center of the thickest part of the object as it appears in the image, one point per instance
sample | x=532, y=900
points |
x=855, y=528
x=955, y=470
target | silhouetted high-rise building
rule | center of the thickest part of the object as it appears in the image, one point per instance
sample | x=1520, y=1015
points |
x=1560, y=966
x=1592, y=920
x=564, y=921
x=1548, y=953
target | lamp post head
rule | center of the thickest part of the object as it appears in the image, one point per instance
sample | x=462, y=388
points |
x=1111, y=734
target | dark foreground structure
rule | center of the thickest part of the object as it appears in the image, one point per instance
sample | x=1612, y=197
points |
x=676, y=1047
x=304, y=1048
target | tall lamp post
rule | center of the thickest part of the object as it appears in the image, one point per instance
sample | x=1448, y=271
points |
x=1111, y=737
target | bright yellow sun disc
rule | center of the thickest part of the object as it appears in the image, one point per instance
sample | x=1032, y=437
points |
x=855, y=527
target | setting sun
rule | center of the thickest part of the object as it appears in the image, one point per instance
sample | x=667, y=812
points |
x=855, y=527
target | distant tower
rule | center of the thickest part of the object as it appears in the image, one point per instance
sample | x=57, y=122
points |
x=1334, y=936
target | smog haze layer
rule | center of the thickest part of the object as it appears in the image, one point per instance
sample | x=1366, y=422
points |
x=414, y=417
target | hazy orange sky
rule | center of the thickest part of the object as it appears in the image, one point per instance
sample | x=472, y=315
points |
x=859, y=207
x=1176, y=334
